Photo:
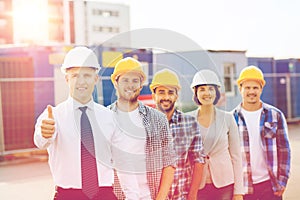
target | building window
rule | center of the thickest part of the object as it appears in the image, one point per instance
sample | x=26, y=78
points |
x=106, y=29
x=229, y=71
x=105, y=13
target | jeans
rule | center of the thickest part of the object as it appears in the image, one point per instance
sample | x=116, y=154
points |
x=210, y=192
x=262, y=191
x=105, y=193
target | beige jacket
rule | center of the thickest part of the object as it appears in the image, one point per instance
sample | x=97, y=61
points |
x=222, y=146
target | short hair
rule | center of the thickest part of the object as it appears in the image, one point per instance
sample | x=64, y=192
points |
x=154, y=90
x=260, y=83
x=96, y=71
x=196, y=100
x=141, y=79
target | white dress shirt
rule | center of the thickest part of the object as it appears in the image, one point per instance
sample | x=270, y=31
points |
x=64, y=146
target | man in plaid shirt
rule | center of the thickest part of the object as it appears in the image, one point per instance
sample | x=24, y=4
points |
x=143, y=153
x=186, y=135
x=264, y=140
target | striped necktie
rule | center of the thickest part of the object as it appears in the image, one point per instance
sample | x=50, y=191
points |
x=89, y=175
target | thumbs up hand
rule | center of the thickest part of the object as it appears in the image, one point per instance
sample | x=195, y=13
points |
x=50, y=114
x=48, y=125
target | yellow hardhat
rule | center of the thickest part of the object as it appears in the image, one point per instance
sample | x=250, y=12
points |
x=165, y=77
x=251, y=73
x=125, y=65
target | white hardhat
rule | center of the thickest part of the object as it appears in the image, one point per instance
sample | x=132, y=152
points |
x=80, y=57
x=205, y=77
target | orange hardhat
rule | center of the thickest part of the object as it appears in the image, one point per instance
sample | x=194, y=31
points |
x=251, y=73
x=165, y=77
x=125, y=65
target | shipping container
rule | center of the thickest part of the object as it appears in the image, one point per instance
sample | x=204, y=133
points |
x=267, y=66
x=26, y=83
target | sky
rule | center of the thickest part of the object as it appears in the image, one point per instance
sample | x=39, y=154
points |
x=263, y=28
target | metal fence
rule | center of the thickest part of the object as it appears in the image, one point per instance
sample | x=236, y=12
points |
x=22, y=98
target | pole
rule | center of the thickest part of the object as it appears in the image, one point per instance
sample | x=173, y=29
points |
x=2, y=145
x=288, y=94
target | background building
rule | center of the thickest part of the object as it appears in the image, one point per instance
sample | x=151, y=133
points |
x=6, y=22
x=95, y=22
x=32, y=34
x=61, y=21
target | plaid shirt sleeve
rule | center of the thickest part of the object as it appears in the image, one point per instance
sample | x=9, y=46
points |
x=159, y=148
x=283, y=149
x=169, y=156
x=188, y=145
x=196, y=153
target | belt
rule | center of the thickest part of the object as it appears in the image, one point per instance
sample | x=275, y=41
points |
x=57, y=188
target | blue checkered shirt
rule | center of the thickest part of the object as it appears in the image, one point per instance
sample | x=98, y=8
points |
x=274, y=136
x=159, y=147
x=189, y=148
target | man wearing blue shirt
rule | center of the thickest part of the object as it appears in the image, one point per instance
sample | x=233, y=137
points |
x=264, y=140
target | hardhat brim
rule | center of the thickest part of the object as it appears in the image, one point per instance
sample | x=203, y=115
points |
x=64, y=70
x=114, y=76
x=155, y=85
x=263, y=82
x=195, y=85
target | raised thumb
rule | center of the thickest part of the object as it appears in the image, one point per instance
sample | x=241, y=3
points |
x=50, y=114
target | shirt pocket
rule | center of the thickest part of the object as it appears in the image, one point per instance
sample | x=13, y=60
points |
x=181, y=146
x=270, y=129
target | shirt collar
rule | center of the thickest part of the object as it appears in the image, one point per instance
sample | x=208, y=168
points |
x=175, y=116
x=141, y=107
x=77, y=105
x=264, y=107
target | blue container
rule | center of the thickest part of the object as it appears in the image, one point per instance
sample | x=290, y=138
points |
x=265, y=64
x=294, y=69
x=109, y=93
x=267, y=67
x=296, y=89
x=43, y=89
x=43, y=96
x=282, y=68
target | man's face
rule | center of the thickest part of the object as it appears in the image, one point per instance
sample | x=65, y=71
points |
x=206, y=94
x=165, y=98
x=251, y=92
x=81, y=82
x=129, y=86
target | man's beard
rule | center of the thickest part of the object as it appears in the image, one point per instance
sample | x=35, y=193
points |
x=170, y=108
x=252, y=99
x=131, y=99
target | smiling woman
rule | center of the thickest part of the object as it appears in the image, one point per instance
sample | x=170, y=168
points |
x=30, y=21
